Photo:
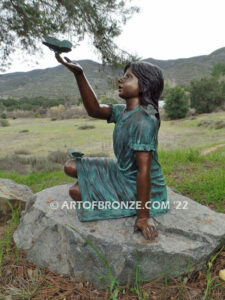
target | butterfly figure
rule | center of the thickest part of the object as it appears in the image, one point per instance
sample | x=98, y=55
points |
x=56, y=45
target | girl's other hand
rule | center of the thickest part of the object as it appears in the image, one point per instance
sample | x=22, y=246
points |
x=147, y=227
x=73, y=67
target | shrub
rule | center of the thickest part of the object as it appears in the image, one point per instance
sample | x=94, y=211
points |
x=75, y=112
x=176, y=105
x=12, y=164
x=59, y=157
x=220, y=124
x=26, y=165
x=4, y=123
x=57, y=111
x=205, y=123
x=84, y=127
x=22, y=152
x=3, y=116
x=106, y=100
x=20, y=114
x=40, y=164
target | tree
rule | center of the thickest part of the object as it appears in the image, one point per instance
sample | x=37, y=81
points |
x=176, y=105
x=24, y=23
x=165, y=91
x=218, y=69
x=207, y=94
x=2, y=108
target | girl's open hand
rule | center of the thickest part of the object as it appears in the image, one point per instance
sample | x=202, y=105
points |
x=73, y=67
x=147, y=227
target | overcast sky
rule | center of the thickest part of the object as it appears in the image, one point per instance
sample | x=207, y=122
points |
x=164, y=29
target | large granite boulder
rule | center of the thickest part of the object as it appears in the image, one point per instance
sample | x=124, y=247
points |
x=188, y=234
x=17, y=194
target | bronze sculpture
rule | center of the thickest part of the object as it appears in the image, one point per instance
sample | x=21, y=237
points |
x=135, y=175
x=56, y=45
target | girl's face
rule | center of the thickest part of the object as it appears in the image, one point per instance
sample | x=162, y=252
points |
x=128, y=85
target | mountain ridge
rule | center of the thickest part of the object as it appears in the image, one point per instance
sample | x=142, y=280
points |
x=45, y=82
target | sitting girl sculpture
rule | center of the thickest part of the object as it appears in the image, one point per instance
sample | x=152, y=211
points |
x=135, y=175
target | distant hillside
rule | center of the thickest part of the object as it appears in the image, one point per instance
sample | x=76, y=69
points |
x=182, y=71
x=59, y=82
x=51, y=82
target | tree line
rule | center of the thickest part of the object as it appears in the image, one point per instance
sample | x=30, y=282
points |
x=30, y=104
x=203, y=95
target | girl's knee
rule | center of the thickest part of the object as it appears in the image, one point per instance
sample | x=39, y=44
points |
x=70, y=168
x=74, y=192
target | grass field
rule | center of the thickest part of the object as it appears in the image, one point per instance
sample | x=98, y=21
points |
x=200, y=177
x=41, y=136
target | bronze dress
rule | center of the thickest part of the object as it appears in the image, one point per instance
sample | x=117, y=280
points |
x=108, y=185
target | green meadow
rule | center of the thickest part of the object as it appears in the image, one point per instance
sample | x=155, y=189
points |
x=42, y=136
x=33, y=152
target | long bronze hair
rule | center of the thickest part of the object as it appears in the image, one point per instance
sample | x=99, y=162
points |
x=150, y=79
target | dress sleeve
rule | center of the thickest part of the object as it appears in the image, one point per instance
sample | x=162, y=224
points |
x=117, y=110
x=144, y=137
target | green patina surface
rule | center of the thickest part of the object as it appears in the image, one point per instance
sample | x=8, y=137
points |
x=114, y=179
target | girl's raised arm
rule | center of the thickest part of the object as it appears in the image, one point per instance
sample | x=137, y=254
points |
x=87, y=94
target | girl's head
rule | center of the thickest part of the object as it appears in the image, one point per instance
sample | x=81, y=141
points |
x=150, y=80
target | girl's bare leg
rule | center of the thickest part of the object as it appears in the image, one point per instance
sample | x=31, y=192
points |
x=71, y=170
x=74, y=192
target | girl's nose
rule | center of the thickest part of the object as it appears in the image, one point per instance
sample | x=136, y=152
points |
x=120, y=79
